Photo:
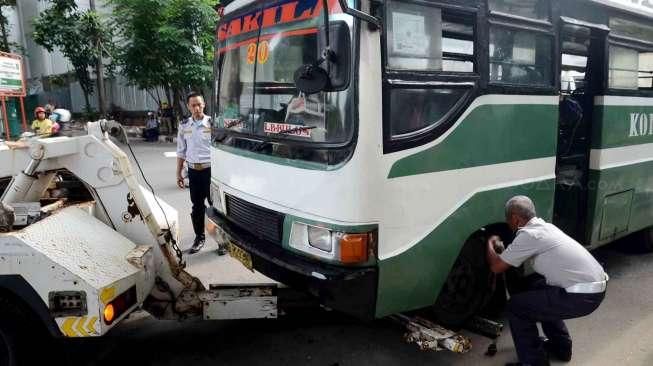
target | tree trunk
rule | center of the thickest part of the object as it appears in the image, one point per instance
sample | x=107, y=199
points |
x=100, y=86
x=99, y=71
x=87, y=100
x=176, y=97
x=3, y=29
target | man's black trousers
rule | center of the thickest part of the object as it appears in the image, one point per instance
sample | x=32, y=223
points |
x=548, y=305
x=199, y=182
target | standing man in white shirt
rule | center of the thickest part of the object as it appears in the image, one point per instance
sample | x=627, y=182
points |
x=193, y=148
x=570, y=284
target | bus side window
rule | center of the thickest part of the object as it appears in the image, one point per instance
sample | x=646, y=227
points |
x=422, y=37
x=520, y=57
x=416, y=109
x=631, y=60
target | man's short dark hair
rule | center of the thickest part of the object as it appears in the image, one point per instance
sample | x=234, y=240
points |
x=193, y=95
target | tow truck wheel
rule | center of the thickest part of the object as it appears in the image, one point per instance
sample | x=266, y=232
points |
x=469, y=286
x=10, y=334
x=19, y=334
x=7, y=348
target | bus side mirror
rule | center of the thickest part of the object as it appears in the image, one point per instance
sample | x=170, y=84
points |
x=338, y=64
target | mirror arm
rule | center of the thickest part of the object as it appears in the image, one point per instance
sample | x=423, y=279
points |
x=360, y=15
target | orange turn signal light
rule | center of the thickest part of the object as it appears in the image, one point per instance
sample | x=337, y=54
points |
x=109, y=314
x=353, y=248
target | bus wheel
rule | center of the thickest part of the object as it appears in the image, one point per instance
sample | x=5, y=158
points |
x=641, y=242
x=469, y=286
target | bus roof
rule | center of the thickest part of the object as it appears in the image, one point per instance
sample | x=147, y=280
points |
x=639, y=7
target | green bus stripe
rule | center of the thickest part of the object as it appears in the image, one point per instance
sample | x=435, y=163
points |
x=490, y=134
x=612, y=126
x=606, y=182
x=413, y=279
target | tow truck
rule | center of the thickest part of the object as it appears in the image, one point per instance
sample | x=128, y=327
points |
x=75, y=264
x=83, y=244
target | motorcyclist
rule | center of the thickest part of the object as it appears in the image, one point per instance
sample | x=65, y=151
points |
x=41, y=126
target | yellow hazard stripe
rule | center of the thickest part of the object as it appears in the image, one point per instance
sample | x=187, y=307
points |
x=107, y=294
x=67, y=327
x=79, y=326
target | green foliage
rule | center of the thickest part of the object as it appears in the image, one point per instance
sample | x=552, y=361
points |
x=165, y=43
x=82, y=36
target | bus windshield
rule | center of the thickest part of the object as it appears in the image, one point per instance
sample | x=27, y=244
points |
x=257, y=55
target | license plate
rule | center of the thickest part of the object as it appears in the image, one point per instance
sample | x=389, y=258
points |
x=241, y=256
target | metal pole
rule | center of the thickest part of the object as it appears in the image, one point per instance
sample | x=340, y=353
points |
x=22, y=112
x=5, y=119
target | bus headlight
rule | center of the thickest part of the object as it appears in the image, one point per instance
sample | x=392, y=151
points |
x=320, y=238
x=312, y=239
x=330, y=244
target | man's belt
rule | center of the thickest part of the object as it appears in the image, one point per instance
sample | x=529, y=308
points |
x=199, y=166
x=588, y=287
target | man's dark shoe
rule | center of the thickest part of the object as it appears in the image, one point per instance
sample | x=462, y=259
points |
x=560, y=353
x=197, y=244
x=222, y=249
x=543, y=362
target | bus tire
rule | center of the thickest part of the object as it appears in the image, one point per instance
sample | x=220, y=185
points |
x=642, y=241
x=469, y=286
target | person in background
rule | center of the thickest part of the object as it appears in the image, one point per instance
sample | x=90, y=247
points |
x=41, y=126
x=49, y=108
x=166, y=114
x=193, y=143
x=151, y=128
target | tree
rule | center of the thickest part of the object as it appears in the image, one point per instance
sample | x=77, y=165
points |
x=166, y=44
x=77, y=35
x=5, y=45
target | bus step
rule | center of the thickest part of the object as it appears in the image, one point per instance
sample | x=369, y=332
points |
x=430, y=336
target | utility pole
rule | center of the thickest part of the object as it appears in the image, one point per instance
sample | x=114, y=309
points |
x=99, y=69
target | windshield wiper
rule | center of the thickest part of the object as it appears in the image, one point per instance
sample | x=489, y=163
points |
x=301, y=128
x=261, y=145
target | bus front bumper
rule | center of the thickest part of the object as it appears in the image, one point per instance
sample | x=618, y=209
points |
x=351, y=290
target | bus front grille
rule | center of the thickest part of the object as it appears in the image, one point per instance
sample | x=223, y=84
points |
x=261, y=222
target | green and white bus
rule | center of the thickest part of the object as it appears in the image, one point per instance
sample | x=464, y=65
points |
x=363, y=153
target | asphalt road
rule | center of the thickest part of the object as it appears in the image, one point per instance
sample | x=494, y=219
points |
x=620, y=332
